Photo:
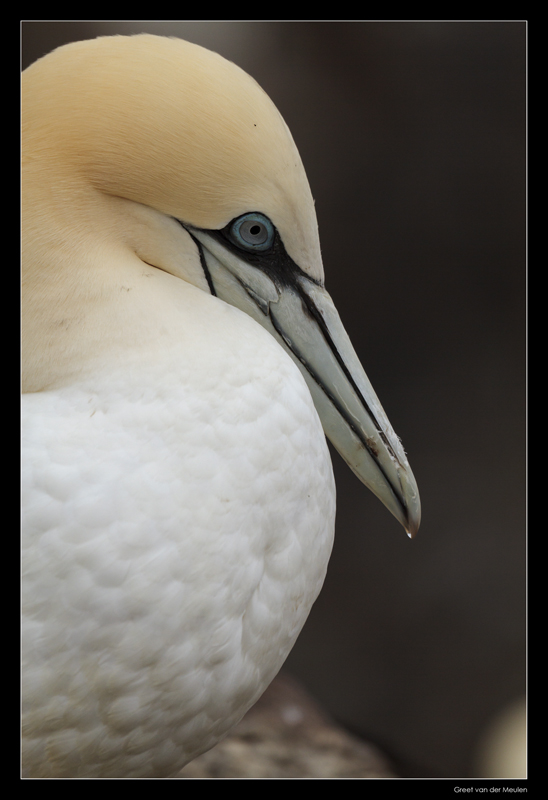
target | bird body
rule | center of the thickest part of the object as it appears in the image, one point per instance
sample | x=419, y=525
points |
x=186, y=579
x=178, y=496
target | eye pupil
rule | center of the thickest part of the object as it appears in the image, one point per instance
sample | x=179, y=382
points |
x=253, y=232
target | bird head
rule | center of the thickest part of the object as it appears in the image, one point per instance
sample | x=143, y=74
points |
x=180, y=160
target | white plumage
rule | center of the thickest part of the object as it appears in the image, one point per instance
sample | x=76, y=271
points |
x=177, y=489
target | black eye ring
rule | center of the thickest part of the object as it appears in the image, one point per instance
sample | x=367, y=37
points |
x=253, y=232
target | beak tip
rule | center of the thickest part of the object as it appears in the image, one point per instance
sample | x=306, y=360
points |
x=412, y=530
x=412, y=502
x=413, y=524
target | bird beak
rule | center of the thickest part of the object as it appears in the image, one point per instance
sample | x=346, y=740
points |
x=304, y=320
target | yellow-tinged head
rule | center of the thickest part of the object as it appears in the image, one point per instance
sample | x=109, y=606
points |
x=173, y=126
x=145, y=153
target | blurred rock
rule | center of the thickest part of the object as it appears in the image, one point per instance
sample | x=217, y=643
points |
x=502, y=752
x=287, y=735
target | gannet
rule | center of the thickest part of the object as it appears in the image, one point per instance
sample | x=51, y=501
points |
x=179, y=352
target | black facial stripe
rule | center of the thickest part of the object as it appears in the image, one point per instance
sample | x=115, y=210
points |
x=203, y=263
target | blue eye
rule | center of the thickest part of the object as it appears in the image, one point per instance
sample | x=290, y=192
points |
x=252, y=232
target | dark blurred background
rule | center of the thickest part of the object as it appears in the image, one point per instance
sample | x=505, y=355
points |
x=413, y=138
